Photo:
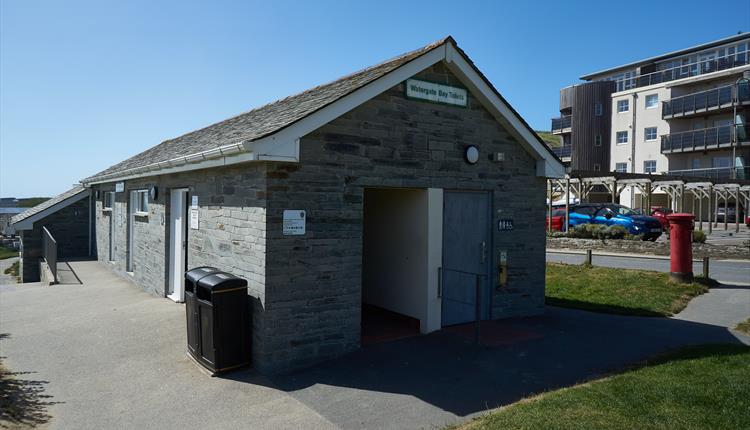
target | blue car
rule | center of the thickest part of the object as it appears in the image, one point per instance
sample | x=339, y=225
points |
x=614, y=214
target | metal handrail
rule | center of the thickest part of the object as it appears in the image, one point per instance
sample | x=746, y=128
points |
x=713, y=172
x=698, y=139
x=562, y=122
x=691, y=103
x=49, y=250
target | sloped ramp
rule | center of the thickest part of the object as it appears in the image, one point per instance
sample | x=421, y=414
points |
x=66, y=275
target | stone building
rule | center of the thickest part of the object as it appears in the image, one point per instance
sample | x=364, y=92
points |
x=406, y=188
x=67, y=218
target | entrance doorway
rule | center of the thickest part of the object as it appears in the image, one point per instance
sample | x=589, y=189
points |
x=400, y=260
x=177, y=244
x=131, y=230
x=466, y=260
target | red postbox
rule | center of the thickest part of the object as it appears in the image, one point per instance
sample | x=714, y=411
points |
x=681, y=247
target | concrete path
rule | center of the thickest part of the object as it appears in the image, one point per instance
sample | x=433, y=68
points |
x=724, y=306
x=4, y=264
x=724, y=271
x=111, y=356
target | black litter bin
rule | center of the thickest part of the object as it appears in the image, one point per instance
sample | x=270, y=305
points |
x=223, y=322
x=192, y=277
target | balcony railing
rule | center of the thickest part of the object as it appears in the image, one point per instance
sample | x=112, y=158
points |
x=698, y=102
x=715, y=173
x=563, y=151
x=707, y=138
x=561, y=123
x=49, y=250
x=686, y=70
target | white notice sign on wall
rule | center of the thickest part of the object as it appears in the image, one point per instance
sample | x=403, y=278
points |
x=294, y=222
x=194, y=202
x=119, y=187
x=194, y=218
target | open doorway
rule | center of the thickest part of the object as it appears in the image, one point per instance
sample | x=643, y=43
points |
x=177, y=244
x=402, y=245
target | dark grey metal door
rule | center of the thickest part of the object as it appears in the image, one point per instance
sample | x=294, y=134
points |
x=466, y=259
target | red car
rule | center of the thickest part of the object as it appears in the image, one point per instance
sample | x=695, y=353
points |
x=661, y=213
x=558, y=220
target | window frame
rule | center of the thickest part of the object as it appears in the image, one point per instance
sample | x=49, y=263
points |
x=105, y=206
x=649, y=162
x=623, y=102
x=598, y=140
x=141, y=203
x=645, y=134
x=624, y=165
x=598, y=109
x=617, y=137
x=647, y=97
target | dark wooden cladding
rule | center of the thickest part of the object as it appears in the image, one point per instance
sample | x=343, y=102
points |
x=567, y=98
x=586, y=125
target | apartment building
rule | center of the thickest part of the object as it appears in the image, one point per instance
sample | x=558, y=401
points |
x=683, y=113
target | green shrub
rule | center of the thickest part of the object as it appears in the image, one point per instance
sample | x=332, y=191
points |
x=598, y=231
x=699, y=236
x=616, y=232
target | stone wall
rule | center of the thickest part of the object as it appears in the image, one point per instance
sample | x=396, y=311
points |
x=68, y=226
x=231, y=236
x=313, y=282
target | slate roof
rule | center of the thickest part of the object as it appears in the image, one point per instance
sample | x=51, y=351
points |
x=49, y=203
x=264, y=120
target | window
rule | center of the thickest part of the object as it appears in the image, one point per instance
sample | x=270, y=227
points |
x=696, y=163
x=598, y=140
x=652, y=101
x=649, y=166
x=109, y=200
x=140, y=202
x=622, y=137
x=722, y=162
x=649, y=133
x=598, y=109
x=597, y=167
x=621, y=167
x=623, y=105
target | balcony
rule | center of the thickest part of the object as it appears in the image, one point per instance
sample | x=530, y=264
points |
x=703, y=139
x=561, y=125
x=686, y=71
x=715, y=173
x=563, y=152
x=698, y=103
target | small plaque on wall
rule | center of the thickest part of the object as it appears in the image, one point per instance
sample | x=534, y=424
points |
x=194, y=218
x=293, y=223
x=505, y=225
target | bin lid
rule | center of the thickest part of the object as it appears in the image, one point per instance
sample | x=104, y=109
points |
x=222, y=281
x=193, y=275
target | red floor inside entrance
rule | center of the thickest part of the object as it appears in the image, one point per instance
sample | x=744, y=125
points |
x=382, y=325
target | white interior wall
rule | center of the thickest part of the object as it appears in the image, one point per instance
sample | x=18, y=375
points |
x=400, y=260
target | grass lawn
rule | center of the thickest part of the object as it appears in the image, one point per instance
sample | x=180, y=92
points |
x=7, y=253
x=744, y=327
x=618, y=291
x=706, y=387
x=13, y=269
x=553, y=141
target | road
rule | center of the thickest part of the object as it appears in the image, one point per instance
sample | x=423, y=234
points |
x=724, y=271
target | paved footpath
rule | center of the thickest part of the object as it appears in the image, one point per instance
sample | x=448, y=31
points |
x=111, y=356
x=724, y=271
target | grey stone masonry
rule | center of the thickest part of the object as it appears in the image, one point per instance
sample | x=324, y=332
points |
x=70, y=228
x=306, y=291
x=314, y=282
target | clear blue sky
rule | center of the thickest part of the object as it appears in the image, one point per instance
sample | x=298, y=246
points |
x=84, y=85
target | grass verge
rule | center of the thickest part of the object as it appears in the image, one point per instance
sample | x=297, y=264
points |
x=744, y=327
x=13, y=269
x=7, y=253
x=705, y=387
x=618, y=291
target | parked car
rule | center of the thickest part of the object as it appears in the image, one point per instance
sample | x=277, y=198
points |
x=613, y=214
x=731, y=213
x=558, y=219
x=660, y=213
x=747, y=220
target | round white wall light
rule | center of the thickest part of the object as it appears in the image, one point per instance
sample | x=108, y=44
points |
x=472, y=154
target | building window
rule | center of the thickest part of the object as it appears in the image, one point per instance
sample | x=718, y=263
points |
x=621, y=167
x=598, y=109
x=598, y=140
x=649, y=133
x=140, y=201
x=652, y=101
x=623, y=105
x=109, y=200
x=597, y=167
x=696, y=163
x=649, y=166
x=622, y=137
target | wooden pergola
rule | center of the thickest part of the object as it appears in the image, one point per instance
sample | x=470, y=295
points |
x=679, y=190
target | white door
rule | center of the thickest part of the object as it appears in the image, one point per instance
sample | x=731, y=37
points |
x=112, y=233
x=131, y=229
x=177, y=244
